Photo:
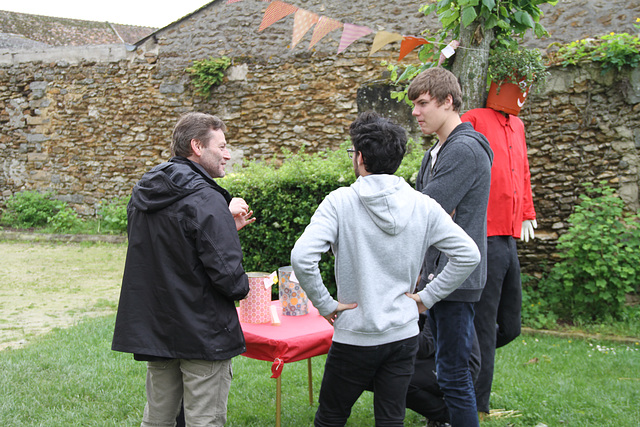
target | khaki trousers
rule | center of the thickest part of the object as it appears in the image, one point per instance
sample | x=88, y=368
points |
x=202, y=384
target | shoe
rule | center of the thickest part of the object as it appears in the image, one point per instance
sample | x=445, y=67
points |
x=437, y=424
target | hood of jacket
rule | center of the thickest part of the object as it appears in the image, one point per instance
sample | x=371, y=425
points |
x=385, y=199
x=467, y=129
x=169, y=182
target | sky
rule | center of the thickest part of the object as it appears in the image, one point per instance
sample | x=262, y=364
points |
x=147, y=13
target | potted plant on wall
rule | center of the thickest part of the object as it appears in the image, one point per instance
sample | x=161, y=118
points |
x=512, y=72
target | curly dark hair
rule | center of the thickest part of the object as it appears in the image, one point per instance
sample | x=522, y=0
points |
x=382, y=142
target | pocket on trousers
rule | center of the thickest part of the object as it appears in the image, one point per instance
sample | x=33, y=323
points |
x=201, y=368
x=207, y=368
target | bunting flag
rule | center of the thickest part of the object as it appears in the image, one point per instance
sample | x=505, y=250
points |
x=302, y=22
x=323, y=27
x=409, y=43
x=382, y=39
x=350, y=34
x=275, y=12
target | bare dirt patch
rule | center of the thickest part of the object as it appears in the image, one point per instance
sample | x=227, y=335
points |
x=52, y=285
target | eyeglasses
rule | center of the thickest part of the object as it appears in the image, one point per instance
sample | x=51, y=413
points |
x=350, y=152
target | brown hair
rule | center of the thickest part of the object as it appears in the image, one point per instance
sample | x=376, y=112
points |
x=438, y=83
x=193, y=126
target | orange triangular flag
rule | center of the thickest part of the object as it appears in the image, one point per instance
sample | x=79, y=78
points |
x=325, y=26
x=302, y=22
x=275, y=12
x=382, y=39
x=409, y=43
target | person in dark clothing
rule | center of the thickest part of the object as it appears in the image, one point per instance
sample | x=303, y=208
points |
x=182, y=274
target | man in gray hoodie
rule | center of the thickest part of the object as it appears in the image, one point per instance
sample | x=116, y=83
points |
x=379, y=230
x=456, y=172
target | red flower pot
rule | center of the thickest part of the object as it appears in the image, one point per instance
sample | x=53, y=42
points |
x=510, y=98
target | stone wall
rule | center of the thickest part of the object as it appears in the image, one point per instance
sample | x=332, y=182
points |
x=89, y=129
x=88, y=125
x=585, y=127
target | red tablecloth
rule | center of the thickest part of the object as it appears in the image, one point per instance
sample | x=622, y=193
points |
x=296, y=338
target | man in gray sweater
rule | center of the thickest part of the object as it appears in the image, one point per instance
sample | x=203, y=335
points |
x=379, y=229
x=456, y=172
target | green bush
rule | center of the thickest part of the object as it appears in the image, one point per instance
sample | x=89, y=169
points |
x=113, y=215
x=65, y=220
x=284, y=199
x=536, y=312
x=29, y=209
x=613, y=51
x=599, y=259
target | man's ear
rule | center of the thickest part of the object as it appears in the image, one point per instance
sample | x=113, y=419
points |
x=448, y=102
x=196, y=147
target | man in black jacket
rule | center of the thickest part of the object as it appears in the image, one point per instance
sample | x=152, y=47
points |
x=182, y=274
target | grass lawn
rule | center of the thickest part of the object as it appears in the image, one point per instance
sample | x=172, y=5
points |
x=70, y=377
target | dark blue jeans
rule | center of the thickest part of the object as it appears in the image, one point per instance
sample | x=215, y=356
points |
x=452, y=327
x=497, y=319
x=350, y=369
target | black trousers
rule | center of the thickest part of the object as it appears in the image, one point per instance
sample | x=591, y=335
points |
x=350, y=369
x=497, y=314
x=424, y=395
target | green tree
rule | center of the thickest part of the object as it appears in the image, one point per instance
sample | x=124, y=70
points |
x=479, y=26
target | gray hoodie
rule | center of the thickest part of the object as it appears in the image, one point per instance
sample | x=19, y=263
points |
x=459, y=181
x=379, y=230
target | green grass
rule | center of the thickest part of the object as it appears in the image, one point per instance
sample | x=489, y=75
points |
x=70, y=377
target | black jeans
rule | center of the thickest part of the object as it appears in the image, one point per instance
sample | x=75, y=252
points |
x=497, y=319
x=350, y=369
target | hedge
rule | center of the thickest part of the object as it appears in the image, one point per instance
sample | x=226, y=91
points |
x=284, y=195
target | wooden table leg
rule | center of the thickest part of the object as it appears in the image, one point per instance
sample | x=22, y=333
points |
x=310, y=382
x=278, y=400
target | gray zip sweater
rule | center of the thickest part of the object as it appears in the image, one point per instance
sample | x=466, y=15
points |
x=379, y=229
x=459, y=181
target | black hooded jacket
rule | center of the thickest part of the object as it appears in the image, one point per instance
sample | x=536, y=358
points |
x=183, y=268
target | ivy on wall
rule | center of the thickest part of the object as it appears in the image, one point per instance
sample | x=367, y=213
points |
x=208, y=73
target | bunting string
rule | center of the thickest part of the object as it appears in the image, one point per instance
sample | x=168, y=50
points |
x=304, y=20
